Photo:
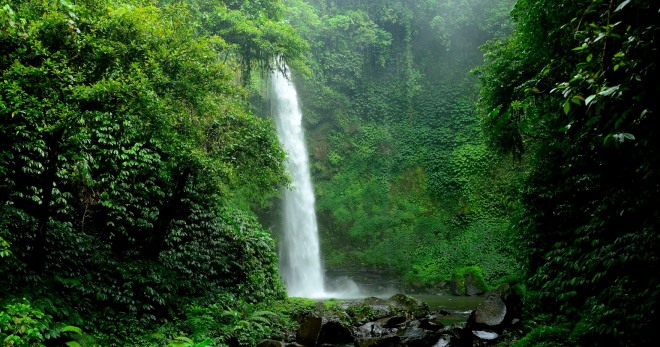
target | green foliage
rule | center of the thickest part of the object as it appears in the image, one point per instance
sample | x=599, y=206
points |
x=23, y=325
x=183, y=341
x=127, y=138
x=578, y=101
x=544, y=336
x=469, y=275
x=398, y=155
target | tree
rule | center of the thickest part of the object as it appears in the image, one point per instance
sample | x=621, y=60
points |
x=573, y=87
x=126, y=133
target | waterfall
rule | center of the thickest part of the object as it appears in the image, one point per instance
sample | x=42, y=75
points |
x=300, y=259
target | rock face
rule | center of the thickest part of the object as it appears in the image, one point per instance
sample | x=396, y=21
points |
x=309, y=330
x=491, y=312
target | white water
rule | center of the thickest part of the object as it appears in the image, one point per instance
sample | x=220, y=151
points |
x=300, y=259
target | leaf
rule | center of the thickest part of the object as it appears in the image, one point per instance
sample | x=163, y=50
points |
x=621, y=6
x=589, y=99
x=567, y=107
x=70, y=328
x=609, y=91
x=183, y=339
x=72, y=344
x=621, y=137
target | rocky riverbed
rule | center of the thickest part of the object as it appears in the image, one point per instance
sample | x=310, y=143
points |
x=402, y=321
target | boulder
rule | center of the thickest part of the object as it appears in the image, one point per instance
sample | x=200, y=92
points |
x=486, y=335
x=409, y=305
x=333, y=332
x=374, y=329
x=414, y=336
x=365, y=311
x=309, y=330
x=444, y=341
x=391, y=322
x=490, y=312
x=428, y=324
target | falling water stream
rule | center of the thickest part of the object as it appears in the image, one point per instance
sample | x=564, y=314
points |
x=300, y=259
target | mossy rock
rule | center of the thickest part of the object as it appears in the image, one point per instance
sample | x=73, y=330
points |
x=408, y=305
x=468, y=281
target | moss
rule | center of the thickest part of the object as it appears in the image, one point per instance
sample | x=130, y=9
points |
x=469, y=275
x=544, y=336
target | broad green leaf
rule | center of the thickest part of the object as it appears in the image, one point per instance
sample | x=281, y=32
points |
x=70, y=328
x=567, y=107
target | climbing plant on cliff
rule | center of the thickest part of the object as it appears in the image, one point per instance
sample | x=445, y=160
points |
x=573, y=89
x=397, y=154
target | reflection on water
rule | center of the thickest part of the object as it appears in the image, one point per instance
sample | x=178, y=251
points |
x=356, y=285
x=459, y=307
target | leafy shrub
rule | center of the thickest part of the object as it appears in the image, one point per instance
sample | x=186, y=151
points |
x=544, y=336
x=22, y=325
x=469, y=275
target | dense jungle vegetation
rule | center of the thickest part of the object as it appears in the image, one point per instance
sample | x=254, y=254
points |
x=515, y=140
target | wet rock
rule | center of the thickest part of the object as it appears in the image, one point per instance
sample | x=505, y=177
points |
x=491, y=312
x=334, y=332
x=374, y=329
x=414, y=335
x=410, y=305
x=385, y=341
x=457, y=335
x=471, y=289
x=374, y=301
x=364, y=312
x=309, y=330
x=485, y=335
x=430, y=324
x=365, y=330
x=391, y=322
x=444, y=341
